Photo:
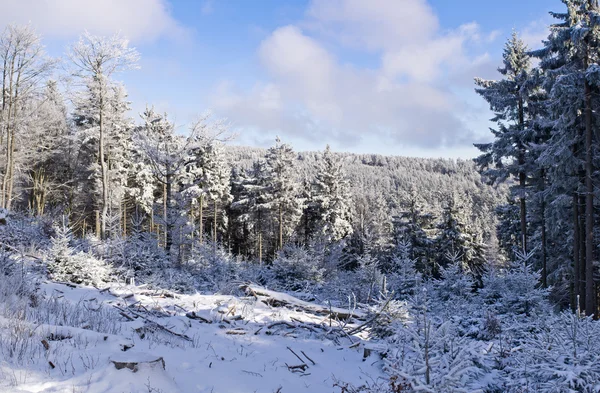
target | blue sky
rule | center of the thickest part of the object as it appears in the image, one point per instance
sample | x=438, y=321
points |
x=381, y=76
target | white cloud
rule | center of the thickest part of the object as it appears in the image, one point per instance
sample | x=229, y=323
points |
x=139, y=20
x=374, y=24
x=409, y=100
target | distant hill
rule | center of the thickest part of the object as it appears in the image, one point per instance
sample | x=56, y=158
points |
x=388, y=182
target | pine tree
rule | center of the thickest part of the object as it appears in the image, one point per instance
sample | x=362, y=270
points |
x=283, y=202
x=208, y=180
x=569, y=60
x=331, y=196
x=507, y=155
x=166, y=154
x=413, y=225
x=455, y=238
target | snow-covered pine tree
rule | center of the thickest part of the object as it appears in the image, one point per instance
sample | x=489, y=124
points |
x=65, y=264
x=515, y=289
x=208, y=183
x=332, y=199
x=455, y=237
x=283, y=202
x=414, y=225
x=570, y=60
x=166, y=154
x=508, y=154
x=251, y=212
x=403, y=277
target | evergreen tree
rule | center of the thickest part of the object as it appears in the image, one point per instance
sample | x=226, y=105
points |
x=332, y=198
x=569, y=60
x=455, y=238
x=413, y=225
x=508, y=154
x=283, y=203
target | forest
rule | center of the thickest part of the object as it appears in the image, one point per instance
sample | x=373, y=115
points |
x=436, y=275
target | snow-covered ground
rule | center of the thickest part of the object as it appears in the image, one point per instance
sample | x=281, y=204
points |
x=208, y=343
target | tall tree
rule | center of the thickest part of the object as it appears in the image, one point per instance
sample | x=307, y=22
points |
x=284, y=204
x=332, y=198
x=507, y=155
x=570, y=60
x=24, y=67
x=95, y=60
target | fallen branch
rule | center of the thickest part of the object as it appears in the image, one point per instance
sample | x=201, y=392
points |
x=154, y=323
x=193, y=315
x=306, y=356
x=364, y=325
x=295, y=354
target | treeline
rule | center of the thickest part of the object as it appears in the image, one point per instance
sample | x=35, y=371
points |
x=76, y=153
x=546, y=143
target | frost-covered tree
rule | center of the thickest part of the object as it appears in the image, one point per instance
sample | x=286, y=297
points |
x=208, y=182
x=429, y=354
x=562, y=354
x=414, y=225
x=282, y=202
x=456, y=238
x=65, y=264
x=48, y=157
x=569, y=60
x=331, y=197
x=403, y=276
x=515, y=289
x=508, y=155
x=249, y=209
x=167, y=154
x=24, y=67
x=94, y=62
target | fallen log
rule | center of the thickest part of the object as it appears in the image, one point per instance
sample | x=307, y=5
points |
x=279, y=299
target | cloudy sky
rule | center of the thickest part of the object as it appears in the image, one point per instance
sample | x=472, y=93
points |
x=380, y=76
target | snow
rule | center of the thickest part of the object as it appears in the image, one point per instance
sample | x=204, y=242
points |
x=247, y=348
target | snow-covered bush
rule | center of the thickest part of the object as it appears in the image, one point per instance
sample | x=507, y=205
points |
x=430, y=355
x=515, y=290
x=403, y=276
x=21, y=231
x=212, y=267
x=65, y=264
x=294, y=268
x=561, y=355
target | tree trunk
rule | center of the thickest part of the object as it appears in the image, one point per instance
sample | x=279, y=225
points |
x=576, y=251
x=543, y=229
x=590, y=294
x=522, y=179
x=260, y=248
x=103, y=168
x=201, y=227
x=215, y=221
x=167, y=204
x=280, y=226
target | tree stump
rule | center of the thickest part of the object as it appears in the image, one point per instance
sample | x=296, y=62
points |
x=134, y=361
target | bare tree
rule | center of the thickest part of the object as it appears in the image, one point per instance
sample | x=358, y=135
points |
x=24, y=67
